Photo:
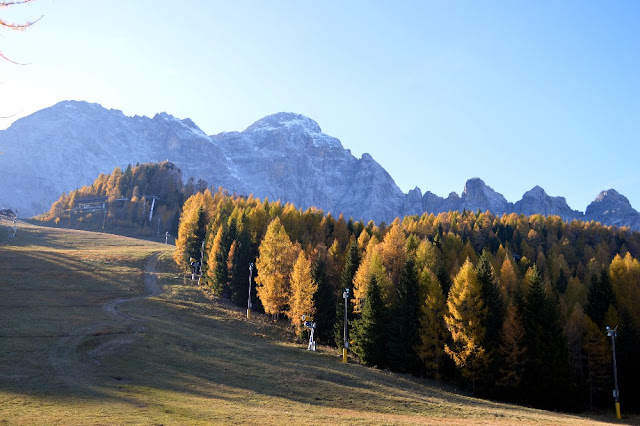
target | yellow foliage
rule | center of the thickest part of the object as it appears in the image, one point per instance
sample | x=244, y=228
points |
x=303, y=288
x=274, y=266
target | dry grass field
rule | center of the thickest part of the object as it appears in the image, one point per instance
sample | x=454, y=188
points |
x=86, y=338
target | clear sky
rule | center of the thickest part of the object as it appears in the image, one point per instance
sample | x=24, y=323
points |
x=518, y=93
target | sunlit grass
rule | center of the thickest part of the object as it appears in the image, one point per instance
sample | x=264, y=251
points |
x=185, y=359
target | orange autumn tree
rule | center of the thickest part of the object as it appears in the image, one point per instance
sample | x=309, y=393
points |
x=466, y=319
x=274, y=265
x=303, y=288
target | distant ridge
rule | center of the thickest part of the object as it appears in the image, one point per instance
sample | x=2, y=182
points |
x=282, y=156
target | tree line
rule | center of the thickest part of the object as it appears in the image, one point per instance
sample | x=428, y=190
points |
x=129, y=196
x=513, y=307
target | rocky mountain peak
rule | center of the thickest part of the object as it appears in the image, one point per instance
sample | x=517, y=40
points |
x=609, y=201
x=477, y=195
x=613, y=208
x=611, y=195
x=535, y=192
x=282, y=156
x=537, y=201
x=286, y=120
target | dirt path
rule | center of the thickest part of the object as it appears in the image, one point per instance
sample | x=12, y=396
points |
x=66, y=358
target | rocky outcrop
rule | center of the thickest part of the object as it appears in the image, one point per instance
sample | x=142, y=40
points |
x=536, y=201
x=478, y=196
x=613, y=209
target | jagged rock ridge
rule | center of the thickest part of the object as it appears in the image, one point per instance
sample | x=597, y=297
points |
x=283, y=156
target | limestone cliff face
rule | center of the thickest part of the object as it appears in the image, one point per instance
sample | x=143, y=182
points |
x=284, y=156
x=478, y=196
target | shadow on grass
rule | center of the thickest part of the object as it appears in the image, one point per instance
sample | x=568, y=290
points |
x=181, y=347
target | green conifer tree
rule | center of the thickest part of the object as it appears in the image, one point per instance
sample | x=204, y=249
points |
x=599, y=298
x=324, y=301
x=404, y=336
x=352, y=262
x=546, y=376
x=492, y=299
x=369, y=336
x=239, y=282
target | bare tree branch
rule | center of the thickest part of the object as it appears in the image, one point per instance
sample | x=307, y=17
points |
x=5, y=3
x=12, y=26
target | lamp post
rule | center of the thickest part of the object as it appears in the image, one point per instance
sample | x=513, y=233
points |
x=613, y=332
x=345, y=295
x=249, y=298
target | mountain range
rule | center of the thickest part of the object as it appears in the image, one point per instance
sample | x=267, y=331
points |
x=283, y=156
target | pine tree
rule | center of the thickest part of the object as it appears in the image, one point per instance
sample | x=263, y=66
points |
x=239, y=279
x=547, y=372
x=352, y=262
x=324, y=301
x=274, y=265
x=369, y=337
x=303, y=289
x=404, y=336
x=599, y=297
x=444, y=279
x=492, y=299
x=465, y=318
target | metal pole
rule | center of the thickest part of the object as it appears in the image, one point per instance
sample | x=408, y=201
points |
x=249, y=298
x=345, y=295
x=201, y=260
x=613, y=333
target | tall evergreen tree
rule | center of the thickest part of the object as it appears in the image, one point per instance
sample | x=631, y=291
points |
x=546, y=377
x=324, y=301
x=599, y=298
x=352, y=262
x=444, y=279
x=404, y=336
x=369, y=336
x=492, y=299
x=239, y=280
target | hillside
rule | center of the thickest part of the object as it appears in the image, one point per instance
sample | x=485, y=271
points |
x=86, y=339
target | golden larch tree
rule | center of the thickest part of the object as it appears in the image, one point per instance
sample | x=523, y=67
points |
x=433, y=330
x=393, y=251
x=303, y=289
x=465, y=319
x=274, y=265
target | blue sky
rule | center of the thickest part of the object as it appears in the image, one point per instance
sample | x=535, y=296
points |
x=518, y=93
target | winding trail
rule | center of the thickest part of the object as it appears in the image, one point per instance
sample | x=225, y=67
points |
x=65, y=357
